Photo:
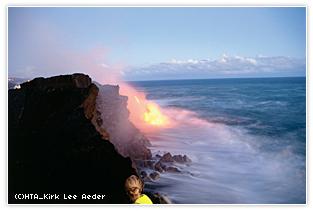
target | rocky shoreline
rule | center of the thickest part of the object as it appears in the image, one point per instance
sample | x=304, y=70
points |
x=160, y=164
x=128, y=140
x=69, y=136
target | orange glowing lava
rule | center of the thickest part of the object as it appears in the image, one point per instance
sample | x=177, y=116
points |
x=154, y=116
x=137, y=99
x=143, y=112
x=151, y=114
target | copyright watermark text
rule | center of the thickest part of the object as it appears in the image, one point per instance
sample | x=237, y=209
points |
x=23, y=196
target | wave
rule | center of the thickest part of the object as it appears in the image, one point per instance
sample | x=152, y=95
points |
x=229, y=165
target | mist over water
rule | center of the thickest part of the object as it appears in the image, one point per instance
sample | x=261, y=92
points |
x=246, y=139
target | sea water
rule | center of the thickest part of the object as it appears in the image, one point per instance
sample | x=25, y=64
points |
x=246, y=139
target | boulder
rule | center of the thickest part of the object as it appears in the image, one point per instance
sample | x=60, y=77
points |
x=186, y=159
x=146, y=179
x=172, y=169
x=178, y=158
x=143, y=174
x=181, y=159
x=154, y=175
x=167, y=157
x=159, y=166
x=159, y=169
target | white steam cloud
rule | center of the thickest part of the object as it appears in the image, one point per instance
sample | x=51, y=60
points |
x=38, y=48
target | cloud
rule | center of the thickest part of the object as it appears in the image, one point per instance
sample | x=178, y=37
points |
x=235, y=66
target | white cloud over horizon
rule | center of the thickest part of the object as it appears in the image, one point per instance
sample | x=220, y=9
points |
x=236, y=66
x=224, y=67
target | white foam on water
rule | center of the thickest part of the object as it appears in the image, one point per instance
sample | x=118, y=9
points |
x=228, y=165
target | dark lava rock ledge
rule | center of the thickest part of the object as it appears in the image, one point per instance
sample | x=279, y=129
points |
x=57, y=147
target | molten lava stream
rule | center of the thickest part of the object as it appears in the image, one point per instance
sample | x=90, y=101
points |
x=150, y=113
x=153, y=115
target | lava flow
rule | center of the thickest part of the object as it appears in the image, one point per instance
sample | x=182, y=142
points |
x=142, y=111
x=151, y=113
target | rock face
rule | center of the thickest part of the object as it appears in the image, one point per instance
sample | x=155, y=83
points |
x=128, y=140
x=57, y=144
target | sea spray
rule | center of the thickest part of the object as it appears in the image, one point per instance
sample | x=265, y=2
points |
x=236, y=158
x=228, y=161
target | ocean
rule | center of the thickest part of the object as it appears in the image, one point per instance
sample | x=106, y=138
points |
x=246, y=139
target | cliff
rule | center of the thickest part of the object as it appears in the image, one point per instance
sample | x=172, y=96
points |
x=128, y=140
x=57, y=145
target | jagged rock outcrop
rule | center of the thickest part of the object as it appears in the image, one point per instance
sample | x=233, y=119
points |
x=181, y=159
x=162, y=164
x=129, y=140
x=167, y=157
x=56, y=144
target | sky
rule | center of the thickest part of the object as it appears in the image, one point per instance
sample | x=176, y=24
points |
x=157, y=43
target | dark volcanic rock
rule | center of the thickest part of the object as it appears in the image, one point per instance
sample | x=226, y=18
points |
x=159, y=169
x=158, y=156
x=172, y=169
x=167, y=158
x=154, y=175
x=64, y=82
x=146, y=179
x=143, y=173
x=56, y=144
x=159, y=166
x=144, y=176
x=181, y=159
x=186, y=159
x=146, y=164
x=178, y=158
